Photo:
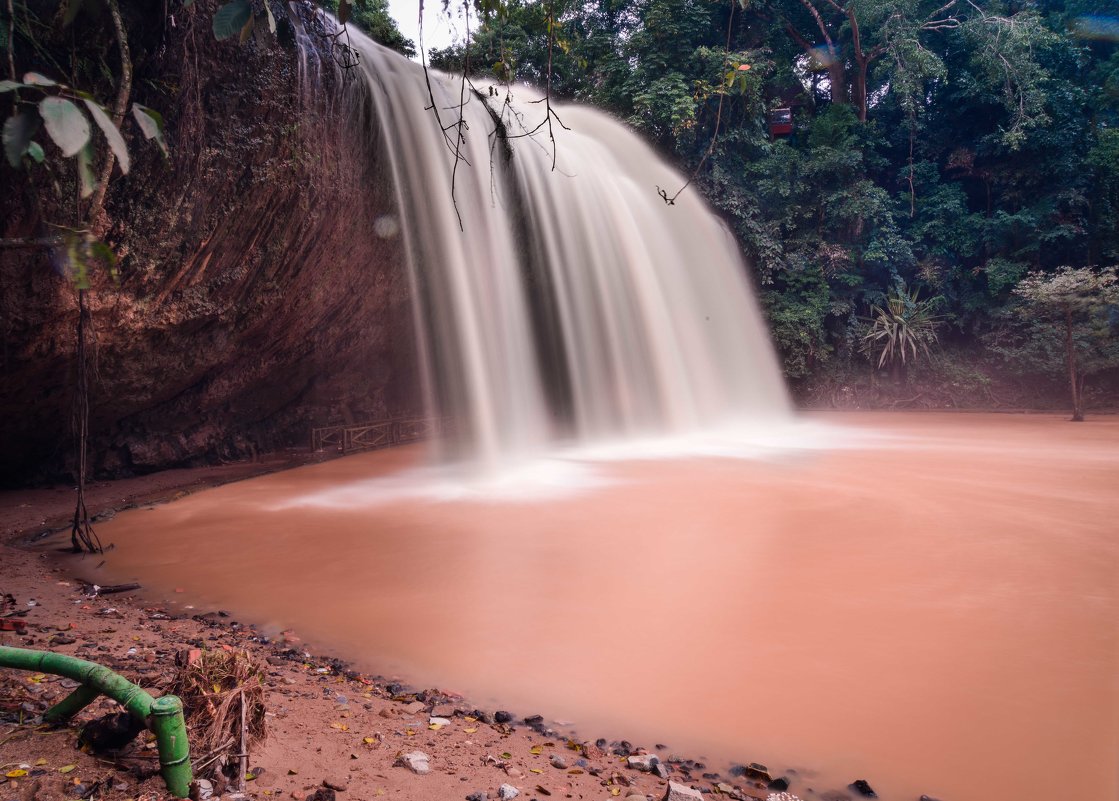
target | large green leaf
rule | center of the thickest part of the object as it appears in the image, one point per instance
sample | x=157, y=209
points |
x=247, y=31
x=231, y=18
x=37, y=79
x=66, y=125
x=116, y=141
x=151, y=124
x=18, y=131
x=85, y=170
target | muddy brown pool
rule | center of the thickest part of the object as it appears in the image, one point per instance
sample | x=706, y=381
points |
x=933, y=607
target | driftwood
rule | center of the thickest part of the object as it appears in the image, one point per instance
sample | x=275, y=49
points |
x=110, y=589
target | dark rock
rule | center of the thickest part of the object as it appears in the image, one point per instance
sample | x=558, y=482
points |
x=601, y=742
x=501, y=716
x=482, y=715
x=321, y=794
x=110, y=732
x=756, y=770
x=735, y=770
x=534, y=720
x=928, y=798
x=862, y=787
x=479, y=796
x=779, y=785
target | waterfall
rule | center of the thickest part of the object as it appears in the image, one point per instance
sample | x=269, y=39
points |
x=567, y=304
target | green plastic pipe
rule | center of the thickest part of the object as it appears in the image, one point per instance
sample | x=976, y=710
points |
x=163, y=716
x=71, y=705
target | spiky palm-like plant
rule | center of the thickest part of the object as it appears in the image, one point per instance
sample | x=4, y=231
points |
x=901, y=328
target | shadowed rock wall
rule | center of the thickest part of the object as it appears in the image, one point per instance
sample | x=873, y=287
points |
x=255, y=299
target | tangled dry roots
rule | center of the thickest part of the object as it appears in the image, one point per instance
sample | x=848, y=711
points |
x=215, y=687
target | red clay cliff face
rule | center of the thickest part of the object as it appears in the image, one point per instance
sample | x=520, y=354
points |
x=255, y=299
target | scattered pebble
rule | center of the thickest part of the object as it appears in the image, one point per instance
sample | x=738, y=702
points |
x=558, y=762
x=681, y=792
x=416, y=761
x=507, y=792
x=643, y=762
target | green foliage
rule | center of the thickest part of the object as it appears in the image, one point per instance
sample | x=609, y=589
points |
x=902, y=327
x=232, y=19
x=1064, y=323
x=59, y=114
x=151, y=125
x=798, y=316
x=373, y=18
x=957, y=147
x=18, y=130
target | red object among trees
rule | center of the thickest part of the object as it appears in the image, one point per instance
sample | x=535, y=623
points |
x=780, y=122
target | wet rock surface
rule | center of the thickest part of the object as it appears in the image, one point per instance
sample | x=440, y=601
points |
x=254, y=299
x=863, y=788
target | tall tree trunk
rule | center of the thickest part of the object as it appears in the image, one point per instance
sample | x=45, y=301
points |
x=837, y=79
x=858, y=88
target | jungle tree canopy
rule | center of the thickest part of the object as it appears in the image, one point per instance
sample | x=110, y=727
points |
x=950, y=146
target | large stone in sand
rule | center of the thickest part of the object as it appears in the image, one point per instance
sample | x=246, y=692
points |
x=416, y=761
x=681, y=792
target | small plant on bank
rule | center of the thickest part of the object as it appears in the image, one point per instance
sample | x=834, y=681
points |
x=900, y=329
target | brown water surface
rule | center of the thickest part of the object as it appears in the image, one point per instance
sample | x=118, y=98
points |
x=935, y=611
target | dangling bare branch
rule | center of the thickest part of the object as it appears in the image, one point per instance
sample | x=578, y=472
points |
x=460, y=126
x=671, y=201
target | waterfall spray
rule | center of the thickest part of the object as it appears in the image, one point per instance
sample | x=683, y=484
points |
x=565, y=305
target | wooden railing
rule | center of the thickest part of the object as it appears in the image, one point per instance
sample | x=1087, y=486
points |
x=349, y=437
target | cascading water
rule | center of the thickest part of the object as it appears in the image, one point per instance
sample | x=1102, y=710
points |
x=568, y=304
